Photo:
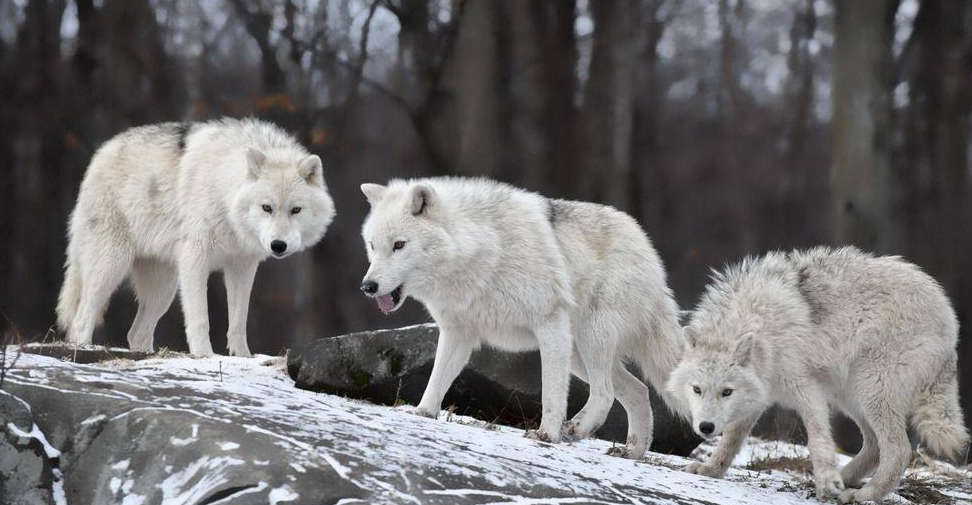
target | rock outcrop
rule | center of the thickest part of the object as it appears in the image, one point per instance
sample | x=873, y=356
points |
x=392, y=367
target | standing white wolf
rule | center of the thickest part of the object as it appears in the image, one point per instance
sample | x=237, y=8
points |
x=498, y=265
x=170, y=203
x=874, y=337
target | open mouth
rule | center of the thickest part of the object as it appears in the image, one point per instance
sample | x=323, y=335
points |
x=389, y=302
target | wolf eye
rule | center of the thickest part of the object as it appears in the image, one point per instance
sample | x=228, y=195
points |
x=295, y=210
x=697, y=390
x=268, y=209
x=398, y=245
x=727, y=392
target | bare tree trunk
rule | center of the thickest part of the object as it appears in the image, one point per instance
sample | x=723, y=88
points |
x=860, y=177
x=609, y=100
x=482, y=56
x=542, y=87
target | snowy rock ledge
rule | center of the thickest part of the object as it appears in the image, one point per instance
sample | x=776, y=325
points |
x=178, y=430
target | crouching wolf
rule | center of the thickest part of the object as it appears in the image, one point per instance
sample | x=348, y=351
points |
x=170, y=203
x=501, y=266
x=872, y=336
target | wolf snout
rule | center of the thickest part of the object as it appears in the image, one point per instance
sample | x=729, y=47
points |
x=369, y=287
x=706, y=427
x=278, y=246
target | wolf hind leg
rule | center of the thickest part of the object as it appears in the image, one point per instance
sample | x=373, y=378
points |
x=894, y=456
x=633, y=395
x=883, y=409
x=155, y=283
x=863, y=463
x=102, y=269
x=598, y=359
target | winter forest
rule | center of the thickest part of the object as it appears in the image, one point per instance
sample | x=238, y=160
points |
x=726, y=127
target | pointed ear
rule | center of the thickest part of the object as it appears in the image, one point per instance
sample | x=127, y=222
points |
x=691, y=337
x=254, y=161
x=373, y=192
x=311, y=169
x=422, y=198
x=745, y=348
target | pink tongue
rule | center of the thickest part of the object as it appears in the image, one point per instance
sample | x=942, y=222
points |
x=386, y=303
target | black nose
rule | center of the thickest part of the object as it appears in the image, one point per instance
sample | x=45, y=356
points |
x=278, y=246
x=369, y=287
x=706, y=428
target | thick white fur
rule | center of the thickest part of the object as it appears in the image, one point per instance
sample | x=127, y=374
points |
x=872, y=336
x=170, y=203
x=500, y=266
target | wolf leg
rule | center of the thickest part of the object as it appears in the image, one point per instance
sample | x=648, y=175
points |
x=598, y=359
x=815, y=413
x=894, y=450
x=239, y=282
x=864, y=462
x=733, y=437
x=193, y=275
x=155, y=285
x=451, y=355
x=103, y=268
x=633, y=395
x=554, y=339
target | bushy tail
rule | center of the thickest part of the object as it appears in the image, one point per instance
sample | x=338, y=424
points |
x=938, y=419
x=658, y=354
x=70, y=297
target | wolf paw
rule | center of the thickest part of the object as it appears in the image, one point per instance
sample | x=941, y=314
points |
x=542, y=435
x=705, y=469
x=829, y=484
x=619, y=451
x=570, y=432
x=856, y=495
x=243, y=352
x=423, y=412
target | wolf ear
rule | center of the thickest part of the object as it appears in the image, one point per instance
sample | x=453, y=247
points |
x=254, y=161
x=311, y=169
x=745, y=348
x=421, y=199
x=373, y=192
x=691, y=337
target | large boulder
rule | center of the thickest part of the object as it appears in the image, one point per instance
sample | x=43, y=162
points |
x=220, y=430
x=26, y=474
x=392, y=367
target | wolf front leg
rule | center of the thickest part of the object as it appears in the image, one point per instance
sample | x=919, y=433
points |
x=193, y=274
x=732, y=439
x=239, y=282
x=811, y=405
x=556, y=347
x=451, y=355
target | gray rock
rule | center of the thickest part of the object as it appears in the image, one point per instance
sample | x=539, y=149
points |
x=392, y=366
x=26, y=476
x=236, y=430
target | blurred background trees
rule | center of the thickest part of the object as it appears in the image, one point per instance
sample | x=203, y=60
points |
x=726, y=127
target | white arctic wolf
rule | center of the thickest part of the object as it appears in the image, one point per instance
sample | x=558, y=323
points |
x=873, y=337
x=170, y=203
x=511, y=269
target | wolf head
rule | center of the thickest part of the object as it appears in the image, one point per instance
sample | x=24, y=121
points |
x=405, y=239
x=717, y=380
x=283, y=204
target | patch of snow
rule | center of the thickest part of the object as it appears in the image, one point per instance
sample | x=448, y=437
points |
x=94, y=419
x=57, y=487
x=133, y=499
x=114, y=484
x=296, y=466
x=232, y=498
x=180, y=442
x=229, y=446
x=283, y=493
x=121, y=465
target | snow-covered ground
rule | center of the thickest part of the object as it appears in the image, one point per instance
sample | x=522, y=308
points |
x=396, y=457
